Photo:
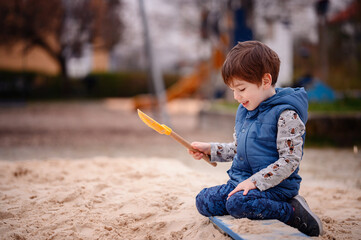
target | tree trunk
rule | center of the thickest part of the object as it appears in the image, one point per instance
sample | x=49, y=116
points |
x=64, y=75
x=60, y=59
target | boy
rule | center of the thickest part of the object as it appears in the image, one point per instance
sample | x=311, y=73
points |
x=267, y=148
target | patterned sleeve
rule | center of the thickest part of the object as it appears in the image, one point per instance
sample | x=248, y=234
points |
x=290, y=149
x=224, y=152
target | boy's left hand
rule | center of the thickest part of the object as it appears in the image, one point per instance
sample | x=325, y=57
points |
x=246, y=185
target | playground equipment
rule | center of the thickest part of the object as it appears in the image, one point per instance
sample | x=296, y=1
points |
x=187, y=85
x=234, y=28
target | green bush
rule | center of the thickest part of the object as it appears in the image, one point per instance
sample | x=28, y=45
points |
x=123, y=84
x=32, y=85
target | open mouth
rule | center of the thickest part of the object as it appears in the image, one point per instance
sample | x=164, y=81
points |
x=245, y=103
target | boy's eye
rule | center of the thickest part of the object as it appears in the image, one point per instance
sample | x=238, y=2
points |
x=242, y=89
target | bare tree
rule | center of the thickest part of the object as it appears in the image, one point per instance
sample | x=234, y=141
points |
x=60, y=27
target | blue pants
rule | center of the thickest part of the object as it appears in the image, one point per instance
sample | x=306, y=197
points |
x=255, y=205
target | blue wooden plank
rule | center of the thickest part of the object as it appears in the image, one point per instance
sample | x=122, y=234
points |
x=224, y=227
x=278, y=229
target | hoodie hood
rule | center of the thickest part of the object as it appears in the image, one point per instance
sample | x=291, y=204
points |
x=296, y=97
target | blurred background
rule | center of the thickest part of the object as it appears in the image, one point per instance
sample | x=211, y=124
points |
x=73, y=72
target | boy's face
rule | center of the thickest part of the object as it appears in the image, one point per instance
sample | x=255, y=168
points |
x=250, y=95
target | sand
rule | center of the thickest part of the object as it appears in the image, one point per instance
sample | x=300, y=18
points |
x=131, y=198
x=102, y=198
x=86, y=176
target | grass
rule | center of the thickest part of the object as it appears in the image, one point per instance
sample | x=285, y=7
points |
x=347, y=105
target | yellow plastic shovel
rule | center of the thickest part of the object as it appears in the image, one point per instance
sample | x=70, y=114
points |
x=163, y=129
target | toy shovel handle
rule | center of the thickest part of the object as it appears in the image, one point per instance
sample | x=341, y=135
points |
x=186, y=144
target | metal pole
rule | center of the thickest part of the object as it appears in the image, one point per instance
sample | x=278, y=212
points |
x=321, y=7
x=154, y=68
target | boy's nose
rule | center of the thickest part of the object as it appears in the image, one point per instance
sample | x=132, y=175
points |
x=236, y=96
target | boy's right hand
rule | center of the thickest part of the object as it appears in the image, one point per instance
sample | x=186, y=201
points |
x=204, y=148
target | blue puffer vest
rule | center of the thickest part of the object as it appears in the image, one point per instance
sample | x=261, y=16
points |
x=256, y=133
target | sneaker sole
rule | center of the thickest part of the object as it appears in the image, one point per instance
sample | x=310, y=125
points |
x=304, y=204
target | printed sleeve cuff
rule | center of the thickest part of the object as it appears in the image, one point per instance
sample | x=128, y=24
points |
x=214, y=157
x=257, y=182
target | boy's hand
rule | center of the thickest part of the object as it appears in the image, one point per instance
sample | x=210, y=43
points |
x=246, y=185
x=204, y=148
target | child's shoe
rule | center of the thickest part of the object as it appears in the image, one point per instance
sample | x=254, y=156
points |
x=303, y=218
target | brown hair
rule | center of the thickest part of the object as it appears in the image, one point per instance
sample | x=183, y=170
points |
x=249, y=61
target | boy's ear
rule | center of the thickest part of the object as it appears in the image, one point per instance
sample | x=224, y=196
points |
x=267, y=80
